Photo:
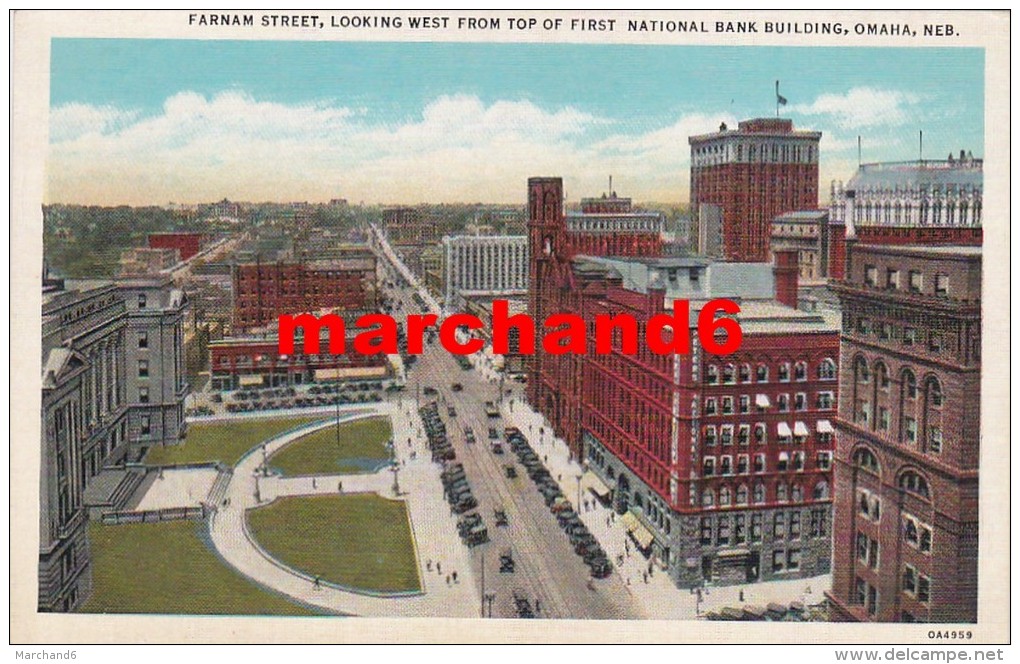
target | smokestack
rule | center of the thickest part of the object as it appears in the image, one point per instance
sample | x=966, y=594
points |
x=785, y=271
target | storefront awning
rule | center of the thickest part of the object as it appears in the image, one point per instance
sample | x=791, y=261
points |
x=637, y=530
x=249, y=380
x=800, y=429
x=762, y=401
x=349, y=372
x=591, y=482
x=825, y=426
x=784, y=429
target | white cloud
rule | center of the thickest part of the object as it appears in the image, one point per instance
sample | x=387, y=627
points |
x=862, y=107
x=459, y=149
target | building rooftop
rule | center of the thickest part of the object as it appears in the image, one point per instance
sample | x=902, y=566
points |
x=919, y=174
x=802, y=216
x=924, y=249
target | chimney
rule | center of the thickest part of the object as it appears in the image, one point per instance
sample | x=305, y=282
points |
x=785, y=271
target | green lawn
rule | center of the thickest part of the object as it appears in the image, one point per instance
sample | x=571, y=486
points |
x=167, y=568
x=224, y=441
x=359, y=540
x=362, y=449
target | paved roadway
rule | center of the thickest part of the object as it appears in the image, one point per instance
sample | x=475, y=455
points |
x=547, y=569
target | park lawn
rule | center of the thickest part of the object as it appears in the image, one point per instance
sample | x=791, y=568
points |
x=359, y=541
x=167, y=568
x=224, y=441
x=362, y=445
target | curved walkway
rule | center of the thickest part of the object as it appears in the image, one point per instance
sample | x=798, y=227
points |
x=433, y=529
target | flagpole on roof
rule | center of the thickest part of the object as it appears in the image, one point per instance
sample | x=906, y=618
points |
x=777, y=99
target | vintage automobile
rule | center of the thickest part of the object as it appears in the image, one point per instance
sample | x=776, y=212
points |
x=506, y=562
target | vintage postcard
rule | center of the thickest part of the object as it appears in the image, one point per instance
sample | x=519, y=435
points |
x=549, y=326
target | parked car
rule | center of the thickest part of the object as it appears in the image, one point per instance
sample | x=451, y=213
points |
x=456, y=387
x=506, y=562
x=510, y=471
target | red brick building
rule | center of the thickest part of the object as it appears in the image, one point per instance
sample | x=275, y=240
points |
x=188, y=244
x=407, y=225
x=906, y=517
x=253, y=362
x=264, y=291
x=752, y=175
x=720, y=465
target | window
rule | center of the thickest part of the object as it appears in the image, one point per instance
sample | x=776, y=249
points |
x=795, y=525
x=740, y=528
x=710, y=435
x=711, y=374
x=781, y=496
x=860, y=591
x=778, y=558
x=823, y=460
x=726, y=465
x=143, y=368
x=863, y=414
x=884, y=331
x=784, y=372
x=783, y=402
x=892, y=279
x=798, y=461
x=759, y=463
x=882, y=376
x=759, y=494
x=710, y=406
x=708, y=467
x=870, y=275
x=726, y=434
x=143, y=339
x=865, y=458
x=873, y=554
x=756, y=521
x=759, y=432
x=872, y=600
x=782, y=462
x=706, y=530
x=146, y=425
x=935, y=440
x=910, y=429
x=914, y=483
x=910, y=384
x=917, y=534
x=744, y=404
x=761, y=374
x=909, y=336
x=883, y=418
x=724, y=501
x=935, y=342
x=729, y=374
x=934, y=392
x=793, y=559
x=143, y=395
x=827, y=370
x=916, y=281
x=819, y=527
x=779, y=525
x=708, y=498
x=141, y=300
x=742, y=494
x=744, y=434
x=745, y=373
x=923, y=588
x=800, y=401
x=800, y=371
x=909, y=579
x=825, y=400
x=743, y=465
x=727, y=405
x=942, y=284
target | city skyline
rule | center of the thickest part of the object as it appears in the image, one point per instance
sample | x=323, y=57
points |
x=149, y=122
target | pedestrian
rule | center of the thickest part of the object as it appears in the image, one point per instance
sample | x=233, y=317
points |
x=428, y=565
x=741, y=595
x=439, y=567
x=313, y=483
x=455, y=576
x=340, y=487
x=538, y=605
x=447, y=579
x=318, y=583
x=645, y=574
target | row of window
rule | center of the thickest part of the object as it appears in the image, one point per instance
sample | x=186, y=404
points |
x=908, y=335
x=785, y=461
x=785, y=526
x=914, y=282
x=731, y=374
x=908, y=432
x=784, y=434
x=783, y=494
x=725, y=405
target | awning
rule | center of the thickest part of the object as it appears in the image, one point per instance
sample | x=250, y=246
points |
x=825, y=426
x=784, y=429
x=592, y=482
x=350, y=372
x=637, y=530
x=762, y=401
x=800, y=429
x=249, y=380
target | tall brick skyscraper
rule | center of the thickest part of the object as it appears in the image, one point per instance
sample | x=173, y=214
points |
x=752, y=174
x=906, y=499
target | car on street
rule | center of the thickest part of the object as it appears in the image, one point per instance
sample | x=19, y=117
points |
x=451, y=411
x=456, y=387
x=469, y=436
x=510, y=471
x=430, y=391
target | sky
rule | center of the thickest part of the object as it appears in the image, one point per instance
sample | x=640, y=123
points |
x=157, y=121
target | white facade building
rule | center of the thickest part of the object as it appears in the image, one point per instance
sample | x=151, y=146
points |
x=484, y=265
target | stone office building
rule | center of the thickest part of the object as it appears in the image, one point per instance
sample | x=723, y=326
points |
x=484, y=266
x=113, y=384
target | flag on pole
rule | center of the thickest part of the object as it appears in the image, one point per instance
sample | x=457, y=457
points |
x=780, y=99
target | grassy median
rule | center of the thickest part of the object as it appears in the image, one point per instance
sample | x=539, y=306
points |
x=225, y=441
x=168, y=568
x=362, y=448
x=359, y=541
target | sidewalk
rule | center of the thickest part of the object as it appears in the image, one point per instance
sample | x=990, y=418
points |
x=434, y=531
x=659, y=597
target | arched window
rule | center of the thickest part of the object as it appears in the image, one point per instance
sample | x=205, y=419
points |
x=909, y=384
x=821, y=491
x=827, y=369
x=882, y=375
x=742, y=494
x=745, y=373
x=796, y=493
x=759, y=493
x=708, y=498
x=711, y=374
x=729, y=374
x=914, y=483
x=861, y=373
x=761, y=374
x=866, y=460
x=781, y=492
x=934, y=389
x=724, y=496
